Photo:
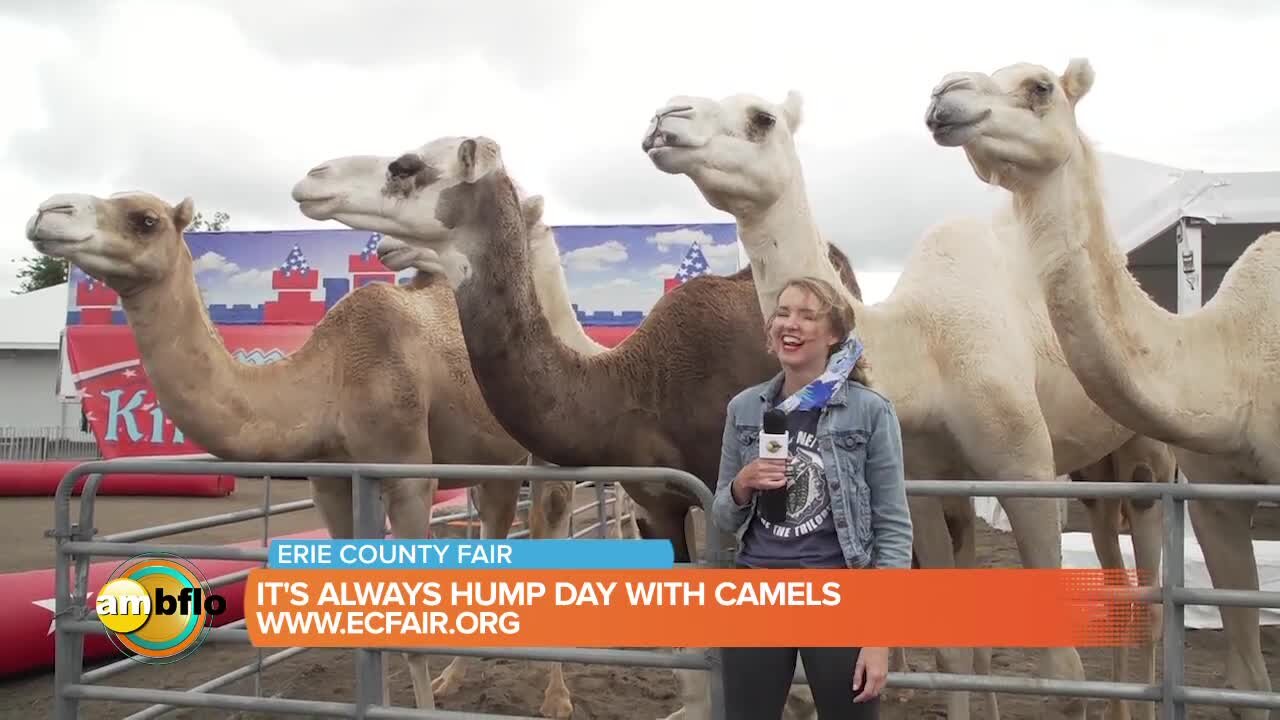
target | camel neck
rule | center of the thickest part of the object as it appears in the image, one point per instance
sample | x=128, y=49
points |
x=230, y=409
x=783, y=242
x=553, y=292
x=538, y=388
x=1133, y=358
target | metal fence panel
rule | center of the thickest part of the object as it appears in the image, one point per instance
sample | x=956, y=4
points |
x=75, y=542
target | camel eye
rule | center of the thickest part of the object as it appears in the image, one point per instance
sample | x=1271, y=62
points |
x=1042, y=88
x=763, y=120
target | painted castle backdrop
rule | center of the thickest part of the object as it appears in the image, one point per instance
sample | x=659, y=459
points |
x=266, y=290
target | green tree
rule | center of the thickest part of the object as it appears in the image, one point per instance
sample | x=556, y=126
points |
x=199, y=223
x=42, y=271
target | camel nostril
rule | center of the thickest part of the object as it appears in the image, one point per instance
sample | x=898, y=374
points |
x=318, y=171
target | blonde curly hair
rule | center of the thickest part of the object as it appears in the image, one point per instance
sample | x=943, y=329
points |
x=833, y=305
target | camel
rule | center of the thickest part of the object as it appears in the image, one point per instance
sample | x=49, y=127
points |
x=1204, y=382
x=973, y=368
x=384, y=377
x=657, y=399
x=336, y=189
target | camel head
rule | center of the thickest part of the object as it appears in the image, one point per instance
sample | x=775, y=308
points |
x=482, y=188
x=391, y=195
x=1017, y=126
x=739, y=152
x=127, y=240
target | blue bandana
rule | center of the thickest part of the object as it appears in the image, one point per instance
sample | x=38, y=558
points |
x=816, y=394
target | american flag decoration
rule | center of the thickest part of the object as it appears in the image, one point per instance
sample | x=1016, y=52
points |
x=296, y=262
x=371, y=247
x=693, y=265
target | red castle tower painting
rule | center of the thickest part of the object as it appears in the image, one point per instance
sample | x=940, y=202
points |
x=294, y=281
x=96, y=301
x=366, y=267
x=693, y=265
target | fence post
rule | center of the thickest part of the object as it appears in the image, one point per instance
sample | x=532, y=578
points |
x=369, y=522
x=1173, y=567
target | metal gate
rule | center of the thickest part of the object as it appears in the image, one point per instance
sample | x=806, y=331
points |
x=76, y=542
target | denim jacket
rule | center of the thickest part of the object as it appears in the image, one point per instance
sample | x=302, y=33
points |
x=861, y=446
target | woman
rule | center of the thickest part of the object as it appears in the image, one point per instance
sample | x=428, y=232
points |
x=845, y=443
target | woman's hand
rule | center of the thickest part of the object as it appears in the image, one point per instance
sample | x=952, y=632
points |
x=759, y=474
x=870, y=672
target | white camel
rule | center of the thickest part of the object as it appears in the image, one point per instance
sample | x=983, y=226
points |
x=1206, y=382
x=962, y=346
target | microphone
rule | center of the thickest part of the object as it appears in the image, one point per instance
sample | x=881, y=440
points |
x=774, y=445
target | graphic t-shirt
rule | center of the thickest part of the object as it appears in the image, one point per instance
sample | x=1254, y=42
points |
x=807, y=537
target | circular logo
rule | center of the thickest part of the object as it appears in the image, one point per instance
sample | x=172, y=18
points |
x=157, y=608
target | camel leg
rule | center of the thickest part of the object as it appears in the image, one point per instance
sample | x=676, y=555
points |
x=1025, y=453
x=1104, y=521
x=332, y=497
x=496, y=505
x=1223, y=530
x=549, y=517
x=962, y=522
x=408, y=503
x=1147, y=528
x=933, y=547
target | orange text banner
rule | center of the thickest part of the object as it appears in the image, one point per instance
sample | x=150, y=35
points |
x=692, y=608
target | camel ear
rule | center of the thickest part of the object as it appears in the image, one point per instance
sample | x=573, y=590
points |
x=183, y=213
x=531, y=208
x=478, y=157
x=1078, y=79
x=793, y=107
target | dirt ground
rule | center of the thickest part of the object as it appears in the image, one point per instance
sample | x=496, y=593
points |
x=493, y=686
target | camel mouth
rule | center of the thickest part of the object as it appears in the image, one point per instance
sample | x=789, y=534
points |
x=661, y=139
x=951, y=128
x=54, y=245
x=318, y=207
x=952, y=134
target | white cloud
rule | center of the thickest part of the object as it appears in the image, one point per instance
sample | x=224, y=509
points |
x=682, y=238
x=214, y=262
x=724, y=255
x=618, y=294
x=595, y=257
x=665, y=270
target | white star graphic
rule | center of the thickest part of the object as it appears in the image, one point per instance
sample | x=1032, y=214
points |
x=130, y=373
x=50, y=604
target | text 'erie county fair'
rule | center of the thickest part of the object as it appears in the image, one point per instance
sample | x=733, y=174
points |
x=419, y=554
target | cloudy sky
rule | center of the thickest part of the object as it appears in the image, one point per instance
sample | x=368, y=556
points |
x=231, y=101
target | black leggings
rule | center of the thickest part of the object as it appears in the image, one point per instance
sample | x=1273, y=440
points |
x=757, y=680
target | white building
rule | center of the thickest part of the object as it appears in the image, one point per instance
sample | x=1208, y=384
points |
x=39, y=415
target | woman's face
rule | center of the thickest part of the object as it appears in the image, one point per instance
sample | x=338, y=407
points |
x=797, y=333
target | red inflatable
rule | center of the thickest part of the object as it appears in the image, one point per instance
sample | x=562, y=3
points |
x=26, y=604
x=42, y=478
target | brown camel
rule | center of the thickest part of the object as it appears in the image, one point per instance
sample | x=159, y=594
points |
x=384, y=377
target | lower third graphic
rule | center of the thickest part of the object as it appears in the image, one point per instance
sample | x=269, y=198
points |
x=158, y=608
